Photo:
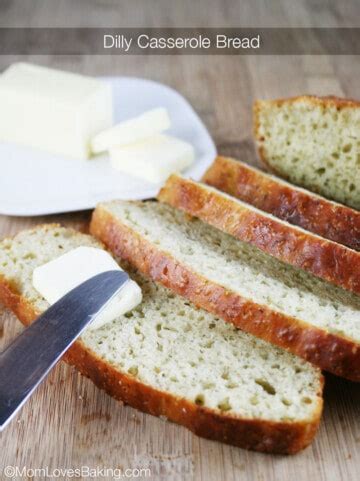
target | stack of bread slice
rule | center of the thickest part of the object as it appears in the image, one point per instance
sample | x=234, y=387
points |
x=168, y=357
x=237, y=281
x=248, y=294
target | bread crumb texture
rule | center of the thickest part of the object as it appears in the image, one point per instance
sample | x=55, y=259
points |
x=170, y=345
x=313, y=142
x=243, y=268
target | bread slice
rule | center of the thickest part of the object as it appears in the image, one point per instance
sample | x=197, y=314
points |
x=323, y=258
x=313, y=142
x=167, y=357
x=292, y=204
x=236, y=281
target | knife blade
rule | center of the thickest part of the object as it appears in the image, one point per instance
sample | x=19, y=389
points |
x=30, y=357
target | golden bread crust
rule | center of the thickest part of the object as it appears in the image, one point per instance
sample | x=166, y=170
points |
x=328, y=219
x=328, y=351
x=323, y=101
x=328, y=260
x=265, y=436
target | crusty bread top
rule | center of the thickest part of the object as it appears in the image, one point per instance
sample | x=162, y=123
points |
x=313, y=142
x=242, y=268
x=321, y=100
x=295, y=205
x=328, y=260
x=174, y=347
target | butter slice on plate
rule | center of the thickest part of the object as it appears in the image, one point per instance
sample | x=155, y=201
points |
x=59, y=276
x=52, y=110
x=153, y=159
x=136, y=129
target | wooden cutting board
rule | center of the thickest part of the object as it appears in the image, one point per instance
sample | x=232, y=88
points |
x=69, y=423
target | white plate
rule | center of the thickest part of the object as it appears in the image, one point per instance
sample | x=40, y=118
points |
x=33, y=182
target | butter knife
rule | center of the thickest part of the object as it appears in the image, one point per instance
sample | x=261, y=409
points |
x=30, y=357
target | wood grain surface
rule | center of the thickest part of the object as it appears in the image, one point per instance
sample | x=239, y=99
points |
x=68, y=423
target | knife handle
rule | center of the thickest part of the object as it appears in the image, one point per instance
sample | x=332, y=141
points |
x=29, y=358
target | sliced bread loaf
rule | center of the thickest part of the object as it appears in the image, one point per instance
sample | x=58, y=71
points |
x=236, y=281
x=313, y=142
x=167, y=357
x=290, y=203
x=325, y=259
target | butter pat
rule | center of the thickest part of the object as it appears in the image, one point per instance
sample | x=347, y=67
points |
x=133, y=130
x=153, y=159
x=53, y=110
x=56, y=278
